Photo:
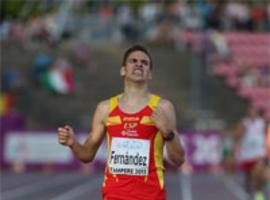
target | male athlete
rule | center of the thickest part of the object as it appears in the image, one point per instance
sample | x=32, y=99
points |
x=137, y=124
x=251, y=149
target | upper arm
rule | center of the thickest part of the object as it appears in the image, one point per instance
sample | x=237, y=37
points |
x=95, y=137
x=168, y=109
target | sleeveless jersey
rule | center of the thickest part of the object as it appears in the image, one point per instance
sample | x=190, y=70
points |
x=253, y=145
x=134, y=169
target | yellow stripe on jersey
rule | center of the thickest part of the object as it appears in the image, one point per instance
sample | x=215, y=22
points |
x=104, y=181
x=146, y=120
x=113, y=102
x=154, y=101
x=108, y=159
x=108, y=149
x=108, y=146
x=114, y=120
x=158, y=158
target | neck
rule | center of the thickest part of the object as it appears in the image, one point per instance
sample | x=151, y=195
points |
x=134, y=91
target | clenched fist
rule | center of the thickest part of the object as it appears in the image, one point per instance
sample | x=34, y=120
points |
x=163, y=120
x=66, y=136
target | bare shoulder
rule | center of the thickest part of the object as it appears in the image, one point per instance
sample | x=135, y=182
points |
x=166, y=105
x=104, y=107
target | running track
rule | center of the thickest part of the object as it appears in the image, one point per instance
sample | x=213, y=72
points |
x=86, y=186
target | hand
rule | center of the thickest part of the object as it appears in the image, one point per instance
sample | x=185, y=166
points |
x=162, y=121
x=66, y=136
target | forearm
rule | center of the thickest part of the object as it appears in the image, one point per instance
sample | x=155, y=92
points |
x=175, y=150
x=82, y=152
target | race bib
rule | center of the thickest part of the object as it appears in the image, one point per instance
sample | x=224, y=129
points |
x=129, y=156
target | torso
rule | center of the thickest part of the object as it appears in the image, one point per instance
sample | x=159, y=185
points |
x=134, y=168
x=253, y=142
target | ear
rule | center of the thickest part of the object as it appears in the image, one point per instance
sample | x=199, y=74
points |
x=123, y=71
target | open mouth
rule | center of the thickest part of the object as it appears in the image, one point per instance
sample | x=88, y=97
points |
x=138, y=72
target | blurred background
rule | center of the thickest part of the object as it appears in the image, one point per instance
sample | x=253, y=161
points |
x=59, y=58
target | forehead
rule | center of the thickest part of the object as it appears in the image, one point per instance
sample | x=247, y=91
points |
x=139, y=54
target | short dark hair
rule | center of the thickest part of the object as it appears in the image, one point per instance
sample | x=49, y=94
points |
x=136, y=48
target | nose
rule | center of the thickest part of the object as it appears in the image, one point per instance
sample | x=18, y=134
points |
x=139, y=63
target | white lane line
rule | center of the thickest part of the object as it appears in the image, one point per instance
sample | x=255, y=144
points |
x=235, y=188
x=185, y=181
x=38, y=186
x=87, y=187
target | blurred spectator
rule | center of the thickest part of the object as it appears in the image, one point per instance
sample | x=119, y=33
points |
x=11, y=81
x=167, y=23
x=106, y=18
x=41, y=64
x=17, y=34
x=259, y=16
x=250, y=78
x=84, y=57
x=4, y=29
x=50, y=26
x=148, y=14
x=221, y=45
x=213, y=20
x=238, y=15
x=190, y=17
x=39, y=27
x=127, y=23
x=206, y=8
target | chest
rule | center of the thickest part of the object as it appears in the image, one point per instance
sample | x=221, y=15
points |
x=137, y=126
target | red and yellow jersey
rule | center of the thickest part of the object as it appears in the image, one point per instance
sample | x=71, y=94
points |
x=134, y=169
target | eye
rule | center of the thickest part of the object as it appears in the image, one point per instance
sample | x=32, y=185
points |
x=145, y=62
x=133, y=60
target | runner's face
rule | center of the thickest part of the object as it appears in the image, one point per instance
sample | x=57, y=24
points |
x=137, y=67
